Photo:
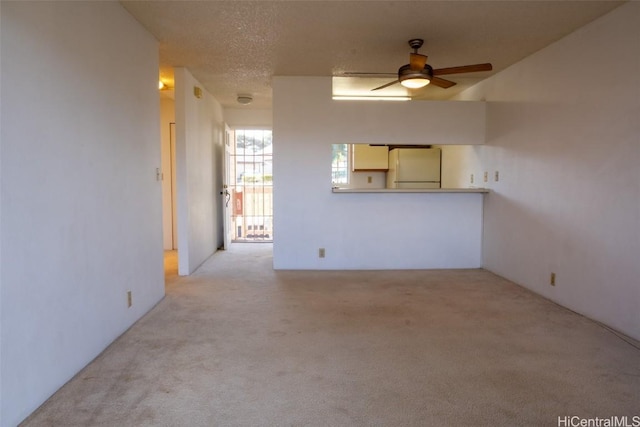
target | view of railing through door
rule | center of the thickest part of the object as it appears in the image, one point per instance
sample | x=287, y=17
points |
x=251, y=185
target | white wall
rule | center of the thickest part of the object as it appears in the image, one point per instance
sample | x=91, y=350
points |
x=360, y=179
x=167, y=116
x=1, y=133
x=246, y=118
x=366, y=231
x=458, y=163
x=81, y=211
x=199, y=155
x=564, y=132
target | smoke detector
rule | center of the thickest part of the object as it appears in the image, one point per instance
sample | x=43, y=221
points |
x=244, y=99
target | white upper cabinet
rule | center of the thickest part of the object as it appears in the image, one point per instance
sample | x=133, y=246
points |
x=370, y=157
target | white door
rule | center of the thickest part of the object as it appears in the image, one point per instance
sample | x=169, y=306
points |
x=226, y=188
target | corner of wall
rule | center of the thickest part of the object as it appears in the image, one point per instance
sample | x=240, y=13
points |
x=568, y=180
x=1, y=282
x=199, y=134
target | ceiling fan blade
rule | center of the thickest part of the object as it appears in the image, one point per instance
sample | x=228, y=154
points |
x=417, y=61
x=443, y=83
x=463, y=69
x=386, y=85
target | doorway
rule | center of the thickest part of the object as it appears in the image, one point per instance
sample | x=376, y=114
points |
x=167, y=171
x=250, y=182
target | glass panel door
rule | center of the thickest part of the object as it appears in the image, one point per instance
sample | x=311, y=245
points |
x=252, y=191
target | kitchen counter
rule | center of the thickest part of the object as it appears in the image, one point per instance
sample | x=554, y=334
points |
x=409, y=190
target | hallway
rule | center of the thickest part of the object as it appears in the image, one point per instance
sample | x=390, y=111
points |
x=238, y=343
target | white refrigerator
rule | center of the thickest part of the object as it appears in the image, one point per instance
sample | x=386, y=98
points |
x=414, y=168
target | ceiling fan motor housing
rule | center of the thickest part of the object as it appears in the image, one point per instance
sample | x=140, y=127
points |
x=405, y=73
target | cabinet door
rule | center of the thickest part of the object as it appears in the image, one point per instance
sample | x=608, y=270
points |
x=370, y=157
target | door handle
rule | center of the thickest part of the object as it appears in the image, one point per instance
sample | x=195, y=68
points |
x=227, y=197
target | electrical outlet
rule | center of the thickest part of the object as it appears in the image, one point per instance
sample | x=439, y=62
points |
x=496, y=176
x=369, y=179
x=486, y=176
x=471, y=179
x=129, y=299
x=552, y=279
x=321, y=252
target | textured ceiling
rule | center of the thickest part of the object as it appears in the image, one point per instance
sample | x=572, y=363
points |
x=236, y=47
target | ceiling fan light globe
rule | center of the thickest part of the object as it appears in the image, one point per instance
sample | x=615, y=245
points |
x=415, y=82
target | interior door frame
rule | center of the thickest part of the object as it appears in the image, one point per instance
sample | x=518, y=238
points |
x=226, y=187
x=172, y=177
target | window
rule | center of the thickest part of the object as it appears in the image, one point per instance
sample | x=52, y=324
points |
x=340, y=164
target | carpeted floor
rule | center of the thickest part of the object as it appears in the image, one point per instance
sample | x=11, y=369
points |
x=238, y=344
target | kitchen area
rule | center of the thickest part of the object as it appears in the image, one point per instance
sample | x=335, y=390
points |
x=419, y=199
x=398, y=168
x=330, y=216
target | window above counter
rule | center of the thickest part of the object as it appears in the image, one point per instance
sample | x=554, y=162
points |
x=460, y=167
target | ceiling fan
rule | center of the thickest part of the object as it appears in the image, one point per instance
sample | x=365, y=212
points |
x=417, y=73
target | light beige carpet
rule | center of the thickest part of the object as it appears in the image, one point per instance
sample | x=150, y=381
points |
x=238, y=344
